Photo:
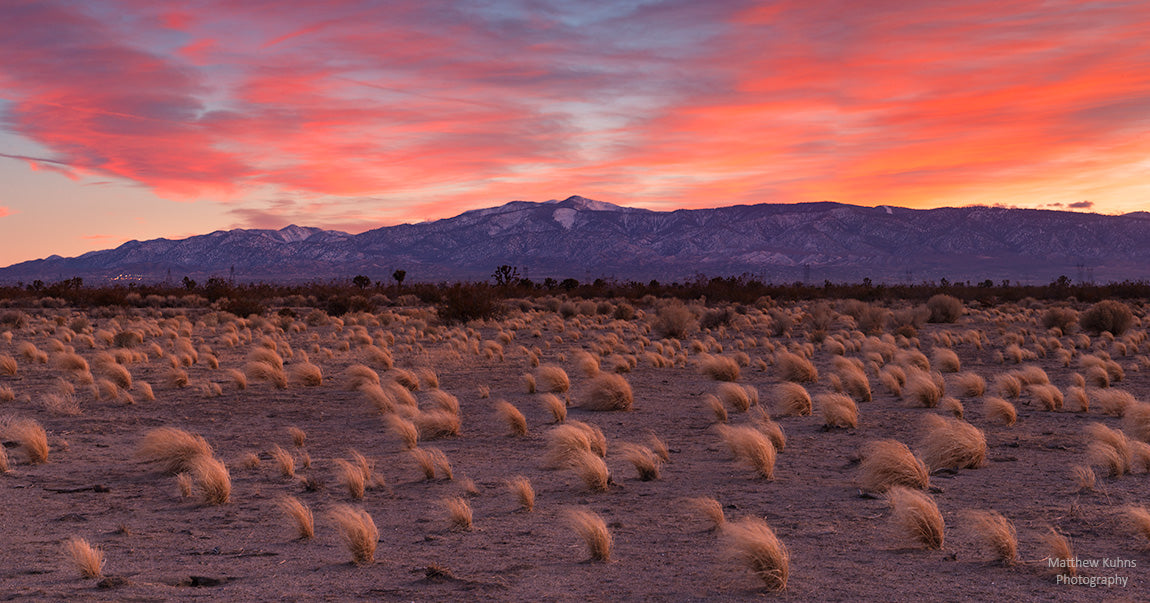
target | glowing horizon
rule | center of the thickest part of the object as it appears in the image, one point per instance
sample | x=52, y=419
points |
x=126, y=119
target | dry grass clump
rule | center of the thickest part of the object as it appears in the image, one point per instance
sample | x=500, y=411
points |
x=1084, y=478
x=432, y=461
x=839, y=410
x=1114, y=401
x=1136, y=421
x=917, y=516
x=177, y=378
x=407, y=379
x=792, y=399
x=774, y=432
x=795, y=368
x=889, y=463
x=608, y=392
x=553, y=379
x=997, y=409
x=565, y=442
x=945, y=361
x=752, y=542
x=284, y=460
x=952, y=443
x=646, y=462
x=709, y=508
x=29, y=434
x=515, y=420
x=1058, y=550
x=300, y=514
x=922, y=389
x=739, y=397
x=751, y=446
x=557, y=407
x=306, y=373
x=1076, y=399
x=4, y=467
x=593, y=530
x=184, y=484
x=175, y=450
x=1107, y=316
x=852, y=378
x=717, y=408
x=520, y=486
x=893, y=378
x=720, y=368
x=458, y=512
x=265, y=371
x=528, y=381
x=1049, y=396
x=1108, y=448
x=358, y=532
x=213, y=479
x=427, y=377
x=591, y=469
x=89, y=560
x=997, y=533
x=1138, y=521
x=116, y=373
x=1008, y=385
x=968, y=385
x=298, y=436
x=406, y=430
x=437, y=423
x=352, y=477
x=358, y=375
x=61, y=404
x=8, y=365
x=587, y=364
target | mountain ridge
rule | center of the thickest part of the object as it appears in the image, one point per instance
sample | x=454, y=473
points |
x=583, y=238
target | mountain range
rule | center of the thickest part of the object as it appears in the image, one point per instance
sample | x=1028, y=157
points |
x=586, y=239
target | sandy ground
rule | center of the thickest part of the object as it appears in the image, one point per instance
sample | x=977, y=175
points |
x=842, y=545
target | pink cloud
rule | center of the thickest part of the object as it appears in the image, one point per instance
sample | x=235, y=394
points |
x=5, y=211
x=679, y=104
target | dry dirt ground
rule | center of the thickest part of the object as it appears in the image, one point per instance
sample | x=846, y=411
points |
x=160, y=545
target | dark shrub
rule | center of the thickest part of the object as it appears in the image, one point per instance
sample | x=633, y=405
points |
x=715, y=318
x=1107, y=315
x=464, y=303
x=674, y=320
x=944, y=308
x=1063, y=318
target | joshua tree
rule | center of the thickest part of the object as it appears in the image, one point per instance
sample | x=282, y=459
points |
x=361, y=281
x=399, y=275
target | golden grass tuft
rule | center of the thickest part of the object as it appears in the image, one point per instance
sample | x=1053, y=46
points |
x=716, y=406
x=406, y=430
x=1076, y=399
x=839, y=410
x=1049, y=396
x=792, y=399
x=284, y=461
x=1059, y=552
x=720, y=368
x=520, y=486
x=591, y=469
x=428, y=377
x=437, y=423
x=213, y=479
x=406, y=379
x=917, y=516
x=1084, y=478
x=999, y=410
x=710, y=509
x=184, y=484
x=853, y=380
x=945, y=361
x=432, y=461
x=952, y=406
x=557, y=407
x=298, y=436
x=736, y=396
x=1137, y=520
x=528, y=381
x=173, y=449
x=265, y=371
x=795, y=368
x=997, y=533
x=660, y=448
x=952, y=443
x=593, y=530
x=515, y=420
x=774, y=432
x=30, y=435
x=306, y=374
x=444, y=401
x=922, y=389
x=89, y=560
x=889, y=463
x=352, y=477
x=608, y=392
x=753, y=542
x=1114, y=401
x=1136, y=421
x=358, y=531
x=1108, y=448
x=177, y=378
x=646, y=462
x=4, y=466
x=358, y=375
x=968, y=385
x=300, y=514
x=458, y=512
x=751, y=446
x=1008, y=385
x=8, y=365
x=553, y=379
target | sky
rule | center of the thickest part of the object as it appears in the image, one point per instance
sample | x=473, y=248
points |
x=138, y=119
